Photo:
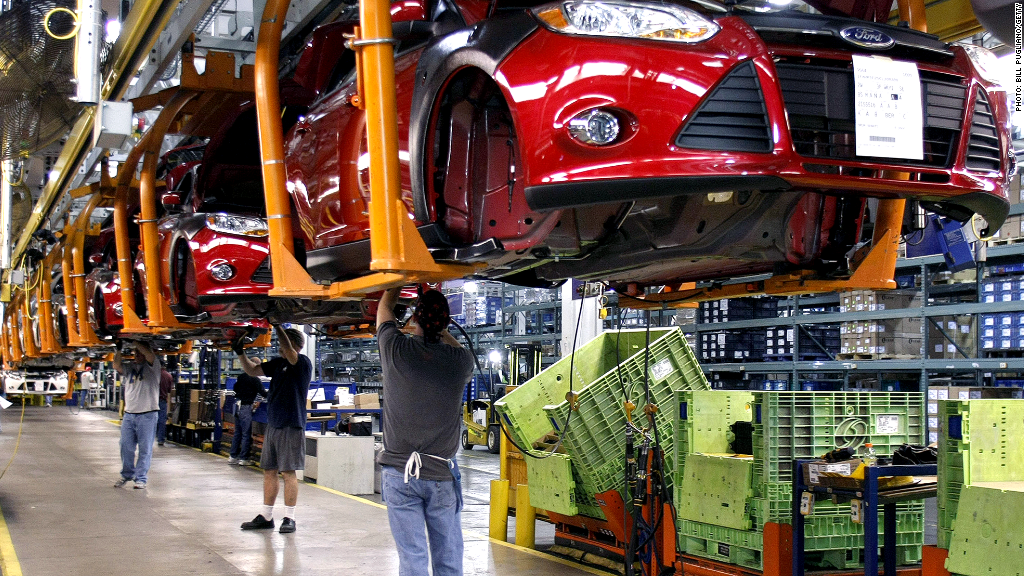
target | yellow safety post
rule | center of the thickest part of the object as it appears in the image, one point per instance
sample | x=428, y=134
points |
x=526, y=518
x=499, y=510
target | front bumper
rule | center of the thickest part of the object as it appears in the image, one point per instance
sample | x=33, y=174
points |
x=734, y=109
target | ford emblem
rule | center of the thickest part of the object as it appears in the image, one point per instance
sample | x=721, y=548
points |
x=867, y=37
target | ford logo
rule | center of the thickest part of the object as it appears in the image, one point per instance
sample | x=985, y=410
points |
x=867, y=37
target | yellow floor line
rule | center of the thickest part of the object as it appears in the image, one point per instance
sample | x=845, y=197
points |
x=543, y=555
x=9, y=564
x=349, y=496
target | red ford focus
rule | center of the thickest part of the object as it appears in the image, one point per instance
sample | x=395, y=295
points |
x=646, y=141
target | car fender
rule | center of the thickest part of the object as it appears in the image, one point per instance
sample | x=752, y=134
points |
x=482, y=46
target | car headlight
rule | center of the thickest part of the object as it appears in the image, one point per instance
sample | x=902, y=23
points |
x=239, y=225
x=627, y=20
x=986, y=63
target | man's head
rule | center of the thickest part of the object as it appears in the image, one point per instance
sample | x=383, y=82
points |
x=432, y=314
x=296, y=337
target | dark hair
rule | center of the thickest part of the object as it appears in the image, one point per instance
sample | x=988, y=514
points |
x=432, y=314
x=296, y=337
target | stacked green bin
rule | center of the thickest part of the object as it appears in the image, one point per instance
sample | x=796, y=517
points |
x=790, y=425
x=595, y=440
x=979, y=441
x=987, y=538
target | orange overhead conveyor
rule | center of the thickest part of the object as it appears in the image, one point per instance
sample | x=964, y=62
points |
x=398, y=254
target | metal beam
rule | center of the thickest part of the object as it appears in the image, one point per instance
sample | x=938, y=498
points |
x=950, y=20
x=169, y=44
x=226, y=44
x=917, y=365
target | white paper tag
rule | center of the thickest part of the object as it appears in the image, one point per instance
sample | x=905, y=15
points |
x=887, y=101
x=812, y=473
x=661, y=369
x=887, y=424
x=5, y=403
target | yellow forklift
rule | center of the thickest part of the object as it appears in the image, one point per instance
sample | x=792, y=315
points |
x=481, y=422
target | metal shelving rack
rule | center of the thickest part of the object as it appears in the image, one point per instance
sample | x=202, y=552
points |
x=973, y=368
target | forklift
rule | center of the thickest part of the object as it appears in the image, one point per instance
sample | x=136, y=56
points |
x=481, y=421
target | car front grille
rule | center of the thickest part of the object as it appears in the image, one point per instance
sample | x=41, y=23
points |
x=732, y=118
x=263, y=273
x=819, y=103
x=983, y=147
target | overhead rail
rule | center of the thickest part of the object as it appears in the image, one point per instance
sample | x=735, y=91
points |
x=398, y=254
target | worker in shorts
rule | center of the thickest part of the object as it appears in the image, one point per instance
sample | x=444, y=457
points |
x=424, y=375
x=284, y=442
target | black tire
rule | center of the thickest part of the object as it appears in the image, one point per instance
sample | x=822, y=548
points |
x=465, y=440
x=493, y=439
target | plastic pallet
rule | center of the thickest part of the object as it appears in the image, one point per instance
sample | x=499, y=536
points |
x=595, y=438
x=805, y=425
x=979, y=441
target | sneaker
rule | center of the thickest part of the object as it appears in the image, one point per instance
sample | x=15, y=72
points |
x=260, y=523
x=232, y=460
x=140, y=485
x=159, y=443
x=245, y=462
x=287, y=526
x=121, y=482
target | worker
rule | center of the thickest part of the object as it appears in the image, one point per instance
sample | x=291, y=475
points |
x=88, y=382
x=141, y=385
x=166, y=386
x=284, y=442
x=247, y=391
x=424, y=375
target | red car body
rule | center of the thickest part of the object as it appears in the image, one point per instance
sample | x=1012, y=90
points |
x=734, y=154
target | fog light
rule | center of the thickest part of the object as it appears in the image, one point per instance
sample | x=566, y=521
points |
x=222, y=272
x=118, y=309
x=595, y=127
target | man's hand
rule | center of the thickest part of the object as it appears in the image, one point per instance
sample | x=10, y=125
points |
x=386, y=306
x=238, y=346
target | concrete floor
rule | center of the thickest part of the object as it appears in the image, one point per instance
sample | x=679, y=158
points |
x=64, y=516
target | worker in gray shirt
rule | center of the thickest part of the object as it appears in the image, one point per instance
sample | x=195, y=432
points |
x=140, y=380
x=424, y=375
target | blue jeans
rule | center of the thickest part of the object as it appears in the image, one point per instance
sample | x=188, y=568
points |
x=422, y=513
x=161, y=422
x=137, y=430
x=242, y=439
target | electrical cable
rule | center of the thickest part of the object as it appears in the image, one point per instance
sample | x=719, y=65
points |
x=532, y=453
x=17, y=443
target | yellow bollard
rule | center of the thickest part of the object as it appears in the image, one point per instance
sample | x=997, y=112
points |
x=526, y=517
x=499, y=510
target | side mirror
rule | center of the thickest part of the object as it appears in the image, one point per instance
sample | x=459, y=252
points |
x=171, y=201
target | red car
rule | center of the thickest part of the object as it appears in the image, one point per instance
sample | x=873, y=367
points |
x=644, y=142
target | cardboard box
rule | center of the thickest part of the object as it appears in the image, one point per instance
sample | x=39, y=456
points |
x=369, y=400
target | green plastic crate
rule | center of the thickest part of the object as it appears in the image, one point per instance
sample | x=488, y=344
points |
x=744, y=547
x=595, y=435
x=522, y=409
x=773, y=502
x=979, y=441
x=715, y=490
x=805, y=425
x=987, y=539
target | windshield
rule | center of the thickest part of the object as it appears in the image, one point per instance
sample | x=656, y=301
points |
x=235, y=190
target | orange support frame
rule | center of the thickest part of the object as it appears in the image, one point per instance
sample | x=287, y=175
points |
x=398, y=254
x=80, y=332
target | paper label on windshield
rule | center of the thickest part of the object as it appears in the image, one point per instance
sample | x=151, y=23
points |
x=887, y=104
x=661, y=369
x=887, y=424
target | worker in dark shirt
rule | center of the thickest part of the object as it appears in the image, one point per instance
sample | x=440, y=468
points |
x=284, y=442
x=247, y=389
x=424, y=375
